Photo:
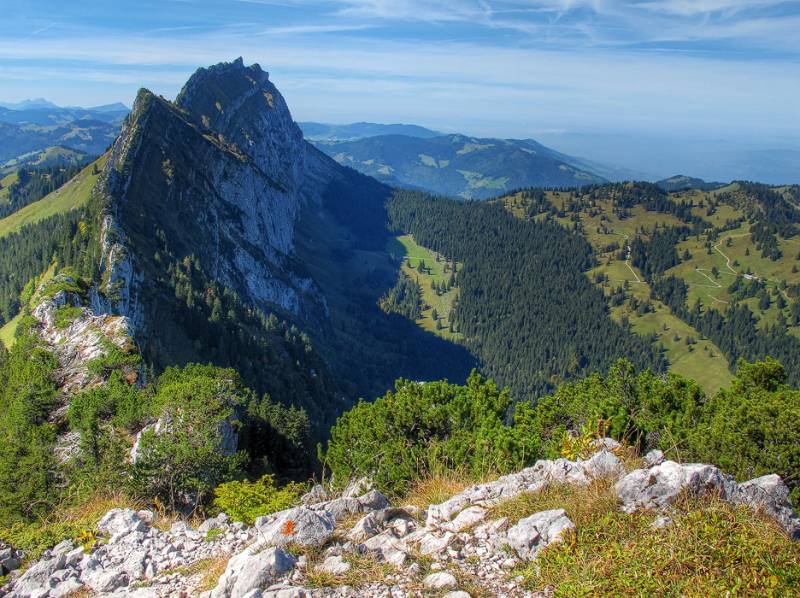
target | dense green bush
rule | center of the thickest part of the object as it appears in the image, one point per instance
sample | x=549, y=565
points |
x=245, y=500
x=752, y=428
x=646, y=410
x=748, y=430
x=184, y=461
x=28, y=467
x=99, y=412
x=425, y=427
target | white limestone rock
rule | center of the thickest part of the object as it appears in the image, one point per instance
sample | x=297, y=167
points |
x=252, y=569
x=440, y=581
x=533, y=533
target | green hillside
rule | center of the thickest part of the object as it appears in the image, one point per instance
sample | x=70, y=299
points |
x=715, y=254
x=435, y=276
x=72, y=195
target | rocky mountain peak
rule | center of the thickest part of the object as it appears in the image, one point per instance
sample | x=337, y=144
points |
x=240, y=104
x=223, y=173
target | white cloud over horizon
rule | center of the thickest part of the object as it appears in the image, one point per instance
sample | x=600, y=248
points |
x=710, y=67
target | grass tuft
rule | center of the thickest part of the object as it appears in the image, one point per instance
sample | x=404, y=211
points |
x=712, y=548
x=435, y=489
x=365, y=569
x=582, y=504
x=73, y=522
x=211, y=571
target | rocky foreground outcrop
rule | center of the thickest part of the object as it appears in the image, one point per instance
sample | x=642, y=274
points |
x=422, y=552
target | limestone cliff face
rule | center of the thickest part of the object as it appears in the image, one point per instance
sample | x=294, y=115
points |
x=221, y=175
x=75, y=343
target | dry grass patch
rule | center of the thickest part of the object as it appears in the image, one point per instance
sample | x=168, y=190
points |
x=435, y=489
x=211, y=572
x=365, y=569
x=75, y=522
x=344, y=525
x=582, y=503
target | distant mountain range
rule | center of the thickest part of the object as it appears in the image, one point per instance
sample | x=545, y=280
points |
x=680, y=182
x=461, y=166
x=775, y=162
x=413, y=156
x=327, y=132
x=28, y=104
x=32, y=128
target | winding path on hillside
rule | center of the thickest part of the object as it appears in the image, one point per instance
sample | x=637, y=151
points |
x=628, y=258
x=727, y=259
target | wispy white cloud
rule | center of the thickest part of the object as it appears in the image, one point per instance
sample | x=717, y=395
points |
x=479, y=88
x=494, y=67
x=417, y=10
x=696, y=7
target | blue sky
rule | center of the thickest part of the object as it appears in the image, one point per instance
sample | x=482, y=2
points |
x=514, y=68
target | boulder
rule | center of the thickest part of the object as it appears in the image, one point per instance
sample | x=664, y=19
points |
x=120, y=521
x=606, y=443
x=440, y=581
x=467, y=518
x=659, y=486
x=10, y=559
x=344, y=506
x=770, y=495
x=365, y=528
x=104, y=581
x=252, y=569
x=357, y=487
x=387, y=547
x=373, y=501
x=533, y=533
x=37, y=577
x=334, y=565
x=316, y=495
x=339, y=508
x=433, y=541
x=603, y=464
x=300, y=525
x=654, y=457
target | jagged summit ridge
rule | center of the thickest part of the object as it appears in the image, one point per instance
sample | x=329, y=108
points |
x=241, y=104
x=223, y=172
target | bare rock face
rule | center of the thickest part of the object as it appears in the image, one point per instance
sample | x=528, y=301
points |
x=224, y=173
x=85, y=338
x=301, y=525
x=658, y=486
x=602, y=464
x=770, y=494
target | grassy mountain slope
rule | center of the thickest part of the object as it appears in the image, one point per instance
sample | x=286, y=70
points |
x=50, y=156
x=69, y=197
x=717, y=250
